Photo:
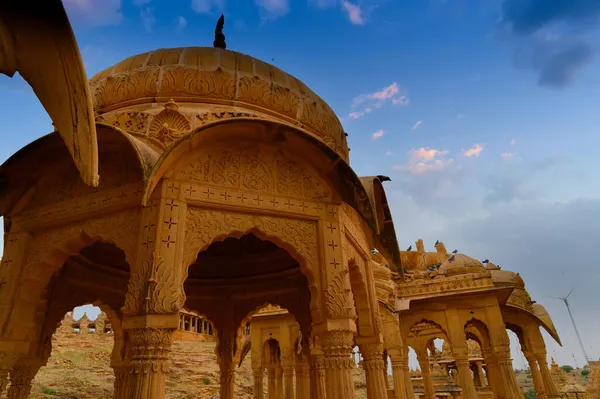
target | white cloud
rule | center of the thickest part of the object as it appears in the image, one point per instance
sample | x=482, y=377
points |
x=513, y=141
x=354, y=12
x=388, y=153
x=402, y=100
x=147, y=17
x=206, y=6
x=474, y=151
x=94, y=13
x=181, y=23
x=377, y=100
x=377, y=134
x=273, y=8
x=416, y=125
x=140, y=3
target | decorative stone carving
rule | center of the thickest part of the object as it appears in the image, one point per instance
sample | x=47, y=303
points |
x=168, y=125
x=255, y=169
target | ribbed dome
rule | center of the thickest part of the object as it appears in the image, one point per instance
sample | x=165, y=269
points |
x=209, y=75
x=461, y=264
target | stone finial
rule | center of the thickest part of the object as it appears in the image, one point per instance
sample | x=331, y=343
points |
x=420, y=246
x=441, y=249
x=219, y=36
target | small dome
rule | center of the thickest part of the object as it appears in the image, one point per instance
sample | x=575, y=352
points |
x=506, y=277
x=216, y=77
x=461, y=264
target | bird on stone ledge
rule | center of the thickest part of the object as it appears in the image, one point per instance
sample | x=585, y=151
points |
x=383, y=178
x=219, y=36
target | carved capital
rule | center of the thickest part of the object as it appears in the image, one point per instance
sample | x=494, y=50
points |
x=150, y=349
x=373, y=356
x=337, y=346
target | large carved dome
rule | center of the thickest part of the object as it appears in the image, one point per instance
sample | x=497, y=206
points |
x=218, y=79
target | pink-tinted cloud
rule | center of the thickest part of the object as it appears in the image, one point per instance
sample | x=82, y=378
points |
x=378, y=134
x=424, y=160
x=506, y=155
x=385, y=93
x=354, y=12
x=377, y=100
x=402, y=100
x=424, y=154
x=416, y=125
x=474, y=151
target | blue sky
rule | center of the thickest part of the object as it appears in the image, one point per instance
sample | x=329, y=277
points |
x=483, y=112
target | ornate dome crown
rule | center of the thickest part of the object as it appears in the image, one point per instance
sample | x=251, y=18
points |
x=206, y=75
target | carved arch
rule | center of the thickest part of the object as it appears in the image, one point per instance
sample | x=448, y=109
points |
x=478, y=331
x=298, y=237
x=50, y=249
x=350, y=188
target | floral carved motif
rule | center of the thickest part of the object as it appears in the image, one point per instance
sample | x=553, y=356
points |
x=192, y=81
x=119, y=88
x=255, y=90
x=257, y=170
x=168, y=125
x=338, y=295
x=150, y=348
x=130, y=121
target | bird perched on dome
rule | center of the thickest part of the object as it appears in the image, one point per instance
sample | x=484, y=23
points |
x=383, y=178
x=219, y=36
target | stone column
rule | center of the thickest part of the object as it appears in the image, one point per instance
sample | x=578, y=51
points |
x=398, y=374
x=374, y=370
x=550, y=388
x=20, y=380
x=461, y=358
x=279, y=381
x=302, y=377
x=493, y=374
x=429, y=389
x=317, y=375
x=410, y=392
x=150, y=349
x=337, y=349
x=121, y=387
x=509, y=379
x=479, y=373
x=287, y=368
x=7, y=362
x=272, y=381
x=538, y=382
x=258, y=372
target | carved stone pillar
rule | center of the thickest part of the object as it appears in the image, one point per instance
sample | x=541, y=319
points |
x=337, y=349
x=429, y=389
x=465, y=378
x=538, y=382
x=410, y=392
x=398, y=374
x=493, y=374
x=7, y=362
x=550, y=388
x=288, y=382
x=121, y=387
x=479, y=373
x=507, y=372
x=272, y=381
x=302, y=377
x=227, y=379
x=150, y=349
x=258, y=372
x=279, y=382
x=20, y=380
x=317, y=376
x=374, y=370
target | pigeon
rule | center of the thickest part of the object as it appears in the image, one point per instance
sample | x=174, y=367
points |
x=383, y=178
x=409, y=248
x=451, y=259
x=436, y=243
x=485, y=261
x=405, y=270
x=455, y=251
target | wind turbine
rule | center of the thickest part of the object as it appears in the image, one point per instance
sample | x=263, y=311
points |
x=565, y=299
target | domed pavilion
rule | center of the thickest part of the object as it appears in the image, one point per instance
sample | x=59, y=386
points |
x=224, y=185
